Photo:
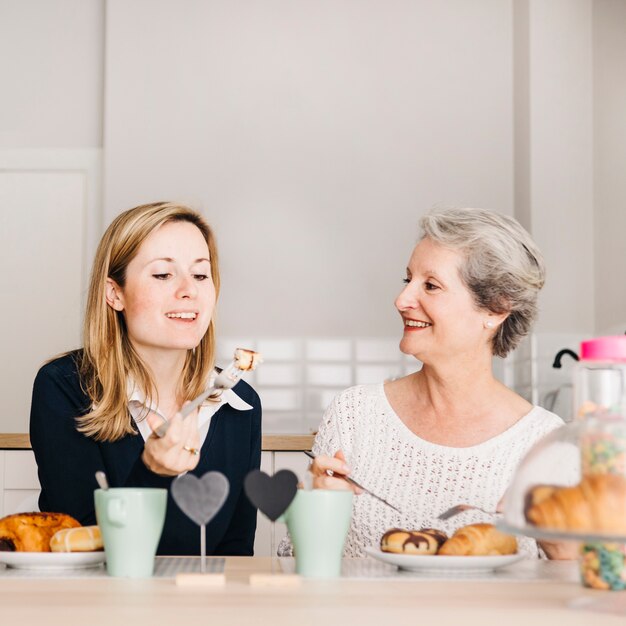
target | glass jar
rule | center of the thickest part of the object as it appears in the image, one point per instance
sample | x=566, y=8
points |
x=600, y=400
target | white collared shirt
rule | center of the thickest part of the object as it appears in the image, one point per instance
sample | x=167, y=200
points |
x=137, y=407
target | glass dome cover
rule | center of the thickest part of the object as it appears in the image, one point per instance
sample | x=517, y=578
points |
x=553, y=494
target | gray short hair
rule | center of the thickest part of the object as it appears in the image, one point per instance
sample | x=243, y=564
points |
x=504, y=269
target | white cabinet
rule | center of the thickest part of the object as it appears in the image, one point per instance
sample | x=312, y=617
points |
x=19, y=489
x=19, y=485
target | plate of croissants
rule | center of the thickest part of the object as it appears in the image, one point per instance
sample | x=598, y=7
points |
x=477, y=547
x=49, y=541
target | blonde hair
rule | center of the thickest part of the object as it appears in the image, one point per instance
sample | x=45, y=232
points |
x=504, y=269
x=109, y=359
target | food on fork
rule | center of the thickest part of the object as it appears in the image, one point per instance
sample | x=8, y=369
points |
x=247, y=360
x=596, y=504
x=399, y=541
x=479, y=540
x=81, y=539
x=31, y=532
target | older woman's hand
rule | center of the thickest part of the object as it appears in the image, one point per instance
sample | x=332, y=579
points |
x=562, y=550
x=178, y=450
x=327, y=472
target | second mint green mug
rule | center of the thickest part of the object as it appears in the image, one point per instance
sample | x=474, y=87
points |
x=131, y=522
x=318, y=523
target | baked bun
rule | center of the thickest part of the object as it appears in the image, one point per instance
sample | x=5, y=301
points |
x=596, y=504
x=479, y=540
x=82, y=539
x=401, y=541
x=31, y=532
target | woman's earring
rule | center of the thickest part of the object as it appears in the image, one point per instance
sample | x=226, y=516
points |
x=489, y=324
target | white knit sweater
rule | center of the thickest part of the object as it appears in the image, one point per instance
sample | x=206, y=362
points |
x=421, y=478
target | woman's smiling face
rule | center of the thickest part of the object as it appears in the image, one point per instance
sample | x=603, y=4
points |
x=438, y=311
x=168, y=297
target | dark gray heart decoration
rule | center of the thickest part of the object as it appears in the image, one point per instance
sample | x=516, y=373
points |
x=200, y=499
x=271, y=494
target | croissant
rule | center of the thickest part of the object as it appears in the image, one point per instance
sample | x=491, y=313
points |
x=479, y=540
x=31, y=532
x=596, y=504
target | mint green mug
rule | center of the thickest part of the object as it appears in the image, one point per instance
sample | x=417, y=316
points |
x=131, y=522
x=318, y=523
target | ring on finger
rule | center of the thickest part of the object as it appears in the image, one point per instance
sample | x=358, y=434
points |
x=194, y=451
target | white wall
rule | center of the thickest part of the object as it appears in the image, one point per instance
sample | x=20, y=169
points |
x=313, y=135
x=51, y=64
x=609, y=30
x=554, y=152
x=51, y=69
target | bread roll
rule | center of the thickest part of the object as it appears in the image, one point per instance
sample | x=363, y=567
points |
x=31, y=532
x=479, y=540
x=596, y=504
x=82, y=539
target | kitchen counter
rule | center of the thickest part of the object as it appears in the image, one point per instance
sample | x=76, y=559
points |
x=270, y=443
x=552, y=596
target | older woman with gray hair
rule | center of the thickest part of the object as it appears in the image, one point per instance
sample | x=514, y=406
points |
x=451, y=432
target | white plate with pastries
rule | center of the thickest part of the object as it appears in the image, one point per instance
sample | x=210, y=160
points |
x=52, y=560
x=444, y=563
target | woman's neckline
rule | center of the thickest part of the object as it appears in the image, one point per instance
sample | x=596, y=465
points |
x=410, y=435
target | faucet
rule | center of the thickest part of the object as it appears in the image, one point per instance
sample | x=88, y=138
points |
x=560, y=354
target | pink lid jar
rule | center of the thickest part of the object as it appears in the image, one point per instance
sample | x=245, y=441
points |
x=600, y=379
x=604, y=349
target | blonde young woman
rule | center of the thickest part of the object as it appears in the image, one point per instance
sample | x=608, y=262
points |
x=149, y=347
x=450, y=433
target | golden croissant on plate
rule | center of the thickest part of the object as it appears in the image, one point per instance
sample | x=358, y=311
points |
x=479, y=540
x=31, y=532
x=596, y=504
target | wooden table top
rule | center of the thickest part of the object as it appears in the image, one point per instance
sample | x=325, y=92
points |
x=548, y=599
x=270, y=443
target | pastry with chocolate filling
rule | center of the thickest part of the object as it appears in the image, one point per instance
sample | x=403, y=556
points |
x=400, y=541
x=31, y=532
x=439, y=535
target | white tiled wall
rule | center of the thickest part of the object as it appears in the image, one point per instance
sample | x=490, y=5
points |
x=299, y=377
x=535, y=378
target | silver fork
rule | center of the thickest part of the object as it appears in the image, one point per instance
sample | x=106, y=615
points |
x=459, y=508
x=226, y=379
x=361, y=487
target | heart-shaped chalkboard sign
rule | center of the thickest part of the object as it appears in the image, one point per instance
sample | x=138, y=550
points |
x=200, y=499
x=271, y=494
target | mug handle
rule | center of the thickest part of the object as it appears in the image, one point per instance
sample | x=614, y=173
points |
x=116, y=512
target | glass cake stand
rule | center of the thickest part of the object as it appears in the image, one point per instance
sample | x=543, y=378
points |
x=593, y=452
